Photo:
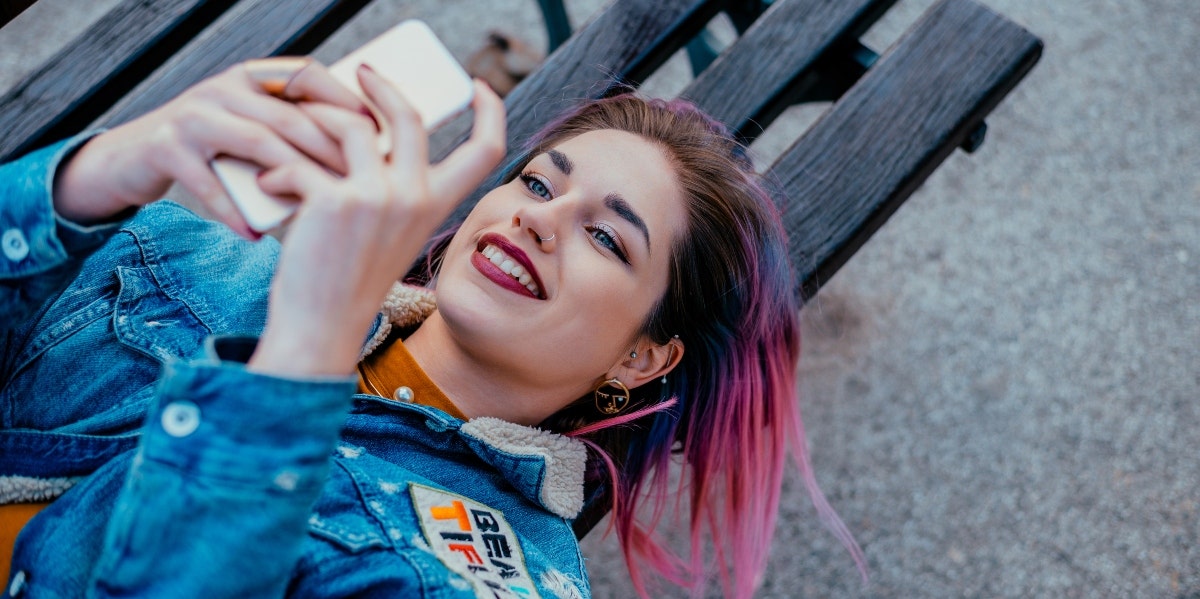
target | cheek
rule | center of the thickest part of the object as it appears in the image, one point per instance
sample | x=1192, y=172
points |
x=612, y=304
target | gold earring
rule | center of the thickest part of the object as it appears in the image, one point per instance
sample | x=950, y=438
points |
x=611, y=402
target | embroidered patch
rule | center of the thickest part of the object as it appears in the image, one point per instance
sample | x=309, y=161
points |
x=474, y=541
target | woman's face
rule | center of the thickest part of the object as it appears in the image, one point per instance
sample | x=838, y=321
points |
x=609, y=208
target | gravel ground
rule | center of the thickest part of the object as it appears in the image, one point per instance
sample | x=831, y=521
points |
x=1001, y=388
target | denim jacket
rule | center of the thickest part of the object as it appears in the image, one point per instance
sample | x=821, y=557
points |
x=177, y=472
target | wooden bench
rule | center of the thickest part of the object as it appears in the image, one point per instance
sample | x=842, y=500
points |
x=894, y=117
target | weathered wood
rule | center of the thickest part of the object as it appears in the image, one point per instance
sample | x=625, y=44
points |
x=251, y=29
x=876, y=145
x=873, y=148
x=624, y=43
x=759, y=76
x=91, y=73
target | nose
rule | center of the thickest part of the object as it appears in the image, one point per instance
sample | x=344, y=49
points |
x=538, y=224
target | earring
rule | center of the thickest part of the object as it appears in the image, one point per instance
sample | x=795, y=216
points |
x=632, y=354
x=612, y=396
x=669, y=356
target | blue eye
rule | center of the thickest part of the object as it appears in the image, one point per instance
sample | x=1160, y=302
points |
x=605, y=237
x=536, y=185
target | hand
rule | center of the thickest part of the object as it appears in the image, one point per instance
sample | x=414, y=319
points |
x=355, y=234
x=229, y=113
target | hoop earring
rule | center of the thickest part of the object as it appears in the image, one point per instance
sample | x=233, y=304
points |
x=610, y=402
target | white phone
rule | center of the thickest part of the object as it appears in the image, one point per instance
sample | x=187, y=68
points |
x=410, y=56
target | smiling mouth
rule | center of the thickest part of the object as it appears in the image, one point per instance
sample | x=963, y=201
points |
x=509, y=266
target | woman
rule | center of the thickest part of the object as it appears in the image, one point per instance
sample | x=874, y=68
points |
x=623, y=294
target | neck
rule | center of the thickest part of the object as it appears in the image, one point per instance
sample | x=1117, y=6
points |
x=478, y=386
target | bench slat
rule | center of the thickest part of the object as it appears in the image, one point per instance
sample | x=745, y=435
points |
x=251, y=29
x=91, y=73
x=876, y=145
x=772, y=65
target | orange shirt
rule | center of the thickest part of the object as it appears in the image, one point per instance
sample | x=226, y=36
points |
x=391, y=367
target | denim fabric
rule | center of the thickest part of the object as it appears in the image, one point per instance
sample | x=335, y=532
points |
x=121, y=370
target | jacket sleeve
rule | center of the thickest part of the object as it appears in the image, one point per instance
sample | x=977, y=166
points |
x=218, y=498
x=39, y=250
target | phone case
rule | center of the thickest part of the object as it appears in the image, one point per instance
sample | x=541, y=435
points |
x=414, y=60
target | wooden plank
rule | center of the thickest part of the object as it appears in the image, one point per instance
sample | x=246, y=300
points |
x=251, y=29
x=772, y=65
x=875, y=146
x=625, y=42
x=91, y=73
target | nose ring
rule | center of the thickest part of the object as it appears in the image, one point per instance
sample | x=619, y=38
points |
x=545, y=239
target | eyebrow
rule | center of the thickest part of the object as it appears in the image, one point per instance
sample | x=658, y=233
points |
x=612, y=201
x=561, y=161
x=618, y=204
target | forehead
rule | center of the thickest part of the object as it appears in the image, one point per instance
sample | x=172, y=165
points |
x=610, y=161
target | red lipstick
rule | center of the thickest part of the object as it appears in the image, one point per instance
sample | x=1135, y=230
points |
x=493, y=272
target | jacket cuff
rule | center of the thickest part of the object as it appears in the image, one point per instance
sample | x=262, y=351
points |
x=215, y=420
x=33, y=238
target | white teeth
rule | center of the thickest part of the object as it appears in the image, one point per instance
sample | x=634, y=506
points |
x=497, y=256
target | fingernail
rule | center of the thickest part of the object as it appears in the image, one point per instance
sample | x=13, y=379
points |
x=366, y=67
x=367, y=112
x=261, y=174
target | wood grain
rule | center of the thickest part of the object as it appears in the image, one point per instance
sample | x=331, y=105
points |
x=773, y=63
x=876, y=145
x=91, y=73
x=250, y=29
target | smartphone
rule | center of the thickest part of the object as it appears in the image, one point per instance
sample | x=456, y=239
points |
x=411, y=57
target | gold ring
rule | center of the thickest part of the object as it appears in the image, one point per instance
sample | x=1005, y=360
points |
x=274, y=75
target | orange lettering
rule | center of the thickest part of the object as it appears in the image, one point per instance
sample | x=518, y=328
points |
x=455, y=511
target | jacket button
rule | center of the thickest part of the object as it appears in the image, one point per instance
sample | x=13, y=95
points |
x=14, y=245
x=18, y=584
x=181, y=418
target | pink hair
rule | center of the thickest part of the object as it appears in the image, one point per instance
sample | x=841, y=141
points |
x=734, y=411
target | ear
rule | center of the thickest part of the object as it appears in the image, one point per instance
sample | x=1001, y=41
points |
x=653, y=361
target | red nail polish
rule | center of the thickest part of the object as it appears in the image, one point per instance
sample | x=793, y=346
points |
x=367, y=112
x=261, y=174
x=366, y=67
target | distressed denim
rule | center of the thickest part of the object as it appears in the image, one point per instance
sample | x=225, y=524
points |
x=122, y=351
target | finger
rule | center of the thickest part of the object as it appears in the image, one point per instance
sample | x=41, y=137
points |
x=197, y=177
x=467, y=166
x=214, y=132
x=290, y=123
x=314, y=83
x=297, y=179
x=410, y=142
x=354, y=132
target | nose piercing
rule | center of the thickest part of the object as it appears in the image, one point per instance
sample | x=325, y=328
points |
x=545, y=239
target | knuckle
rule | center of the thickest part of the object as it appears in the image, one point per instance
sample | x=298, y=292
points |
x=402, y=112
